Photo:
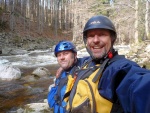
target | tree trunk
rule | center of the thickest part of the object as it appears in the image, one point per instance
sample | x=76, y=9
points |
x=136, y=22
x=56, y=17
x=146, y=20
x=12, y=16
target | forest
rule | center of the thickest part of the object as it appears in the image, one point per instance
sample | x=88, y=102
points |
x=30, y=25
x=65, y=19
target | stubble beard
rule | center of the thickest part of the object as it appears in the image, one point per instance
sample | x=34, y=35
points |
x=100, y=56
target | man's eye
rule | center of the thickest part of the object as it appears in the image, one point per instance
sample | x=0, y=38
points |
x=103, y=35
x=58, y=55
x=90, y=36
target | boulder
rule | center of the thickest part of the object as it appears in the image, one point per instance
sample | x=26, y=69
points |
x=42, y=107
x=37, y=108
x=18, y=52
x=8, y=72
x=41, y=72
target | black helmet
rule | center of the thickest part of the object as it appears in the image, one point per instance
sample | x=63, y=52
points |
x=99, y=21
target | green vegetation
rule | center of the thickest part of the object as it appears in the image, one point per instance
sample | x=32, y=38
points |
x=1, y=11
x=17, y=39
x=3, y=25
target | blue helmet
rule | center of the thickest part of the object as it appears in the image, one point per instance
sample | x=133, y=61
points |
x=64, y=46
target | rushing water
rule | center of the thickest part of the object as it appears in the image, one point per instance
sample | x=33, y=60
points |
x=15, y=94
x=30, y=59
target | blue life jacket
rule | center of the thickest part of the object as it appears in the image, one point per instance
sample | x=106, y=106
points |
x=56, y=94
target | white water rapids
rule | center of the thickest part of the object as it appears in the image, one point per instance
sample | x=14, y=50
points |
x=34, y=58
x=30, y=59
x=40, y=58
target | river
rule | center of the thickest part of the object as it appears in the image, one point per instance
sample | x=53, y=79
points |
x=15, y=94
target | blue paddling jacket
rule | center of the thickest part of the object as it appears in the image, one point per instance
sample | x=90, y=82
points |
x=127, y=86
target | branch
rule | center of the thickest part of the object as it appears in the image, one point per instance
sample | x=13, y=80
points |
x=127, y=6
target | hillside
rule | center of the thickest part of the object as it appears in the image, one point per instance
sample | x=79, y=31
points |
x=28, y=35
x=25, y=27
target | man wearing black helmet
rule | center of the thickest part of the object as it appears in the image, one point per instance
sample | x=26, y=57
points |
x=123, y=82
x=66, y=54
x=99, y=36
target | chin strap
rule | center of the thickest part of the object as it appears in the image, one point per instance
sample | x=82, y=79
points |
x=109, y=55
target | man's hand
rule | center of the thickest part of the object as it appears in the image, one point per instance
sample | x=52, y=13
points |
x=58, y=72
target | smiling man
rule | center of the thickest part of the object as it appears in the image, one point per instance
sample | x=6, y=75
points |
x=66, y=54
x=123, y=85
x=122, y=80
x=99, y=42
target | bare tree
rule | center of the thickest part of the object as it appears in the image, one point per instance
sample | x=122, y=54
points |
x=136, y=22
x=12, y=16
x=68, y=17
x=2, y=3
x=46, y=11
x=146, y=20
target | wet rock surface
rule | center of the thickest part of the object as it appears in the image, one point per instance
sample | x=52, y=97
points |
x=16, y=94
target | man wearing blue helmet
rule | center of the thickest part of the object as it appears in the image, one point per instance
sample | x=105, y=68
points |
x=123, y=83
x=66, y=54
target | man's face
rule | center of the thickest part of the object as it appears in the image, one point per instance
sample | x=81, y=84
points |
x=66, y=59
x=98, y=42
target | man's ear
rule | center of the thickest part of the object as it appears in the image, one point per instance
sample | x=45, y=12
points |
x=75, y=54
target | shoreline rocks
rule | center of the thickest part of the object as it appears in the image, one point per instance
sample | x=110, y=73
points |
x=8, y=72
